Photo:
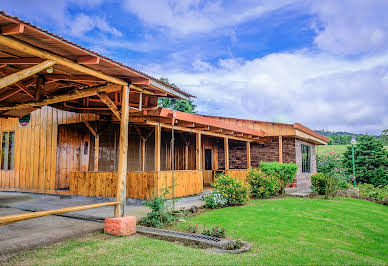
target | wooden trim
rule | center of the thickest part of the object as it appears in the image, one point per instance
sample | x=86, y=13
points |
x=249, y=165
x=76, y=94
x=105, y=99
x=280, y=149
x=12, y=29
x=15, y=77
x=123, y=154
x=226, y=151
x=32, y=50
x=24, y=216
x=88, y=60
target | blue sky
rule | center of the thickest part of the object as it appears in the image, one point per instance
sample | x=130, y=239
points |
x=320, y=63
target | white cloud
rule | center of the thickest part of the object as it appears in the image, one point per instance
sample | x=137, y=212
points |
x=318, y=90
x=82, y=24
x=196, y=16
x=352, y=27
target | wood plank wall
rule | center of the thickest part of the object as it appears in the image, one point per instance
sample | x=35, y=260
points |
x=140, y=185
x=36, y=149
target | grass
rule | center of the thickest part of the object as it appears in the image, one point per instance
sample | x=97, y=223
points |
x=338, y=149
x=281, y=231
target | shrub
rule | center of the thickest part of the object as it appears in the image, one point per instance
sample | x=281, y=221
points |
x=216, y=231
x=371, y=161
x=214, y=200
x=234, y=191
x=262, y=185
x=370, y=191
x=160, y=214
x=193, y=229
x=286, y=172
x=324, y=184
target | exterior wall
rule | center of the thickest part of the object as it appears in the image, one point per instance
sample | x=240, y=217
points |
x=289, y=150
x=237, y=154
x=303, y=180
x=268, y=152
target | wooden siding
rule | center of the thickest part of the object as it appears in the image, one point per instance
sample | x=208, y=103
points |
x=140, y=185
x=240, y=174
x=36, y=149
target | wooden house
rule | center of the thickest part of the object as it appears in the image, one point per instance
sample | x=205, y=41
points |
x=74, y=121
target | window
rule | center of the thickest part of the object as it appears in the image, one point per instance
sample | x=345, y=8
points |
x=7, y=150
x=306, y=159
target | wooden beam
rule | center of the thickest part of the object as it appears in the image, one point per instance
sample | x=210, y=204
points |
x=39, y=87
x=123, y=154
x=15, y=77
x=105, y=99
x=226, y=151
x=204, y=128
x=88, y=60
x=24, y=216
x=198, y=148
x=21, y=61
x=10, y=94
x=19, y=85
x=249, y=165
x=12, y=29
x=73, y=77
x=143, y=151
x=280, y=149
x=90, y=128
x=140, y=81
x=34, y=51
x=76, y=94
x=158, y=133
x=186, y=124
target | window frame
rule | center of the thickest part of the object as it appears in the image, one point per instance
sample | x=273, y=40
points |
x=7, y=156
x=306, y=158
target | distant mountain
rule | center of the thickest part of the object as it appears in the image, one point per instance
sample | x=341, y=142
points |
x=328, y=133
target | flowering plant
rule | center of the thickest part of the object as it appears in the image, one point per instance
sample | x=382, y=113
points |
x=193, y=229
x=216, y=231
x=234, y=191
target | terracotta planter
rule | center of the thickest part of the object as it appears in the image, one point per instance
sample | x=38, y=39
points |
x=293, y=185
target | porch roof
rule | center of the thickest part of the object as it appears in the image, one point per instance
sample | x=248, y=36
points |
x=198, y=123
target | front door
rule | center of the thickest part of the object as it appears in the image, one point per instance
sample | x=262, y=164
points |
x=72, y=153
x=208, y=167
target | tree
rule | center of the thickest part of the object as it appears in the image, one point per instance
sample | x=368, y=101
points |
x=186, y=106
x=384, y=136
x=371, y=160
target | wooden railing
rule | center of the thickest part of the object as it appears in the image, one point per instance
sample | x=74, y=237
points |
x=140, y=185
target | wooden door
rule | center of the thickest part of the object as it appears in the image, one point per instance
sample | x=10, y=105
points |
x=72, y=153
x=208, y=167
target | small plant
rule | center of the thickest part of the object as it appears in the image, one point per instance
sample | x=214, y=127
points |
x=286, y=172
x=214, y=200
x=161, y=212
x=192, y=229
x=324, y=184
x=234, y=191
x=216, y=231
x=262, y=185
x=370, y=191
x=237, y=244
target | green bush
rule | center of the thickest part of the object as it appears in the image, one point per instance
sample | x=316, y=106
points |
x=161, y=213
x=371, y=161
x=214, y=231
x=214, y=200
x=324, y=184
x=286, y=172
x=234, y=191
x=262, y=185
x=370, y=191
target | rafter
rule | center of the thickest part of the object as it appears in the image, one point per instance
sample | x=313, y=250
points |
x=88, y=60
x=20, y=85
x=21, y=61
x=12, y=29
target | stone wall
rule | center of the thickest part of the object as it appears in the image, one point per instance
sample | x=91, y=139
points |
x=237, y=154
x=268, y=152
x=303, y=180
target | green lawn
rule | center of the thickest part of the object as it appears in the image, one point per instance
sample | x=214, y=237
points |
x=338, y=149
x=282, y=231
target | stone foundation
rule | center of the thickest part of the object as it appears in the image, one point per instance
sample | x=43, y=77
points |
x=122, y=226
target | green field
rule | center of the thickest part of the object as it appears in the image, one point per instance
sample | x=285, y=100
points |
x=282, y=231
x=338, y=149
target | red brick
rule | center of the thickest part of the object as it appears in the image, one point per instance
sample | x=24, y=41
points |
x=122, y=226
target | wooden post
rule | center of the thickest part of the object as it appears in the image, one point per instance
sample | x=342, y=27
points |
x=157, y=147
x=123, y=154
x=143, y=151
x=226, y=150
x=280, y=149
x=96, y=151
x=186, y=157
x=198, y=157
x=248, y=155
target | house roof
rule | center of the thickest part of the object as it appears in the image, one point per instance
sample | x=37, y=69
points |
x=48, y=41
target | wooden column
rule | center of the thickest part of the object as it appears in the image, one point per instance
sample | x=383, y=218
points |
x=248, y=154
x=158, y=134
x=186, y=157
x=143, y=151
x=226, y=150
x=123, y=154
x=96, y=151
x=280, y=149
x=198, y=157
